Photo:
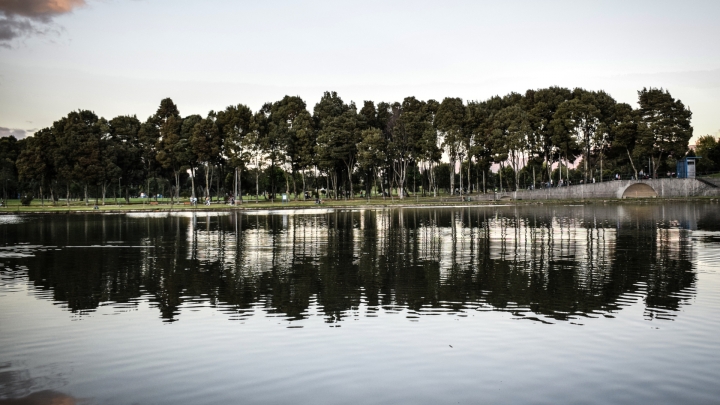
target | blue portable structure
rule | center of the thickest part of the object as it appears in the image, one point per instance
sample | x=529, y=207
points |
x=686, y=167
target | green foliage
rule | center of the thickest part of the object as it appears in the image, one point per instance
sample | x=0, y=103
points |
x=664, y=128
x=396, y=144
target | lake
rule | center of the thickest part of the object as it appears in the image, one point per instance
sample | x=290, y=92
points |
x=534, y=304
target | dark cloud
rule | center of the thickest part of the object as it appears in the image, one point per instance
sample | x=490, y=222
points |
x=39, y=9
x=17, y=133
x=22, y=18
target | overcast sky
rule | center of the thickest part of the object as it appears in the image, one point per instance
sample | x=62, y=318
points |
x=121, y=57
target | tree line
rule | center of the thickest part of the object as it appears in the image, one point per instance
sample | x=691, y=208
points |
x=544, y=136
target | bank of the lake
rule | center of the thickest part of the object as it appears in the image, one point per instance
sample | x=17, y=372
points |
x=166, y=206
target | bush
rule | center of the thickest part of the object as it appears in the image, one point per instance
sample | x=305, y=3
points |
x=26, y=200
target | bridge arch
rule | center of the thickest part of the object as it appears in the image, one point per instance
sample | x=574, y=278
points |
x=639, y=190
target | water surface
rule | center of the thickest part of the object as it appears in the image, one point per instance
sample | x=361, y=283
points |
x=535, y=304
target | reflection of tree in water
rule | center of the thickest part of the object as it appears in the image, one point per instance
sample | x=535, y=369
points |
x=558, y=262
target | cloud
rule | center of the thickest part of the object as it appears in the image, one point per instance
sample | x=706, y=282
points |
x=17, y=133
x=23, y=18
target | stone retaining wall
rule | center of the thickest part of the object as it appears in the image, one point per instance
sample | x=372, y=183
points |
x=667, y=188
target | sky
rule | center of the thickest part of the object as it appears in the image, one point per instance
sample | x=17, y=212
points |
x=121, y=57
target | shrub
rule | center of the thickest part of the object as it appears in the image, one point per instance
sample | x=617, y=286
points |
x=26, y=200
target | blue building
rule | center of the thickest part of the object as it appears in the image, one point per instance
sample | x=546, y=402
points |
x=686, y=167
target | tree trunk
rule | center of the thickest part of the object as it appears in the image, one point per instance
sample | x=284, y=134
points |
x=500, y=173
x=302, y=174
x=452, y=176
x=207, y=180
x=67, y=197
x=86, y=196
x=239, y=195
x=192, y=182
x=587, y=155
x=401, y=181
x=350, y=185
x=287, y=185
x=468, y=179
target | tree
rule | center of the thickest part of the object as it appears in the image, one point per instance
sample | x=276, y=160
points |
x=409, y=123
x=339, y=128
x=449, y=121
x=169, y=148
x=78, y=156
x=581, y=118
x=110, y=153
x=512, y=127
x=708, y=149
x=625, y=134
x=33, y=162
x=206, y=144
x=235, y=124
x=429, y=153
x=543, y=104
x=185, y=149
x=305, y=143
x=290, y=127
x=125, y=132
x=372, y=153
x=664, y=128
x=254, y=143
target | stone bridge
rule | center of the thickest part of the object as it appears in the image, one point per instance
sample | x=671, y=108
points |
x=617, y=189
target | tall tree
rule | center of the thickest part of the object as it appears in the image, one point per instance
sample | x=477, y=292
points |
x=708, y=148
x=125, y=131
x=255, y=144
x=34, y=162
x=625, y=133
x=289, y=126
x=169, y=148
x=372, y=154
x=543, y=104
x=235, y=124
x=339, y=128
x=664, y=129
x=450, y=123
x=512, y=126
x=206, y=143
x=581, y=118
x=186, y=150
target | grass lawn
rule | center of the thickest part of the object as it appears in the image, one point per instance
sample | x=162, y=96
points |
x=139, y=204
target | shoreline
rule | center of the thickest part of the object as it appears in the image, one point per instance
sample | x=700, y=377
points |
x=351, y=204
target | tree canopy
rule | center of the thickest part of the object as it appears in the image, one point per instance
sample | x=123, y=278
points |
x=396, y=148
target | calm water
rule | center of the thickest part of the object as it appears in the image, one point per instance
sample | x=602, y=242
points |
x=498, y=305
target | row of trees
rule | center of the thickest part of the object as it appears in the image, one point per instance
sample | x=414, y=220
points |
x=343, y=147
